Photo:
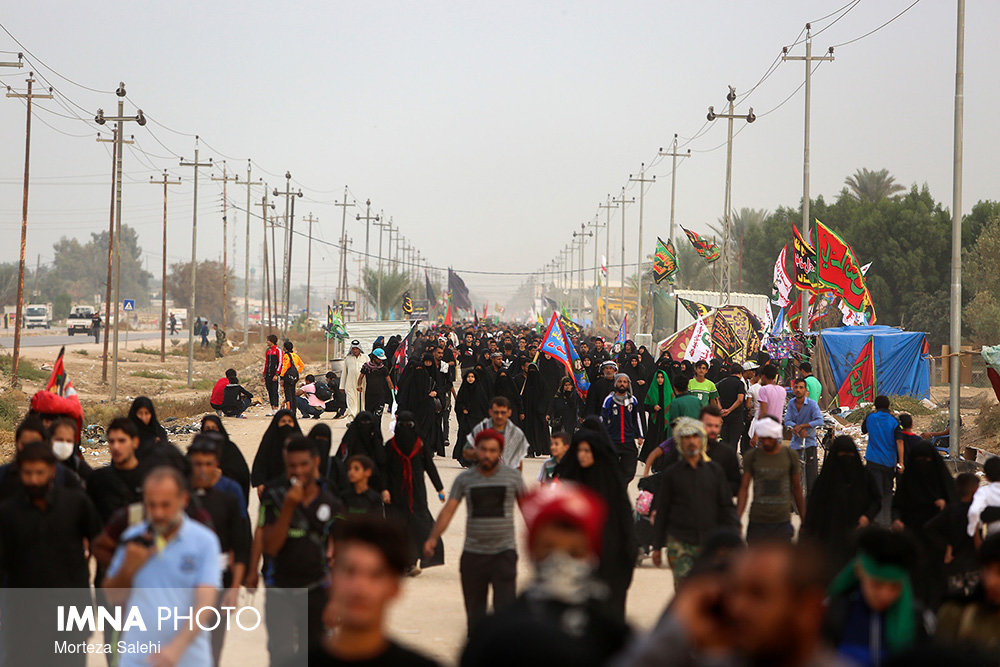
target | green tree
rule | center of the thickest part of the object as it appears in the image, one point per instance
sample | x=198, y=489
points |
x=394, y=284
x=872, y=186
x=983, y=213
x=81, y=269
x=982, y=279
x=209, y=290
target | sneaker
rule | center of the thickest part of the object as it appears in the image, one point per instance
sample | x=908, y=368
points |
x=270, y=414
x=413, y=571
x=241, y=416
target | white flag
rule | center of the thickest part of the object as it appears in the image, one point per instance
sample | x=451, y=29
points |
x=781, y=288
x=700, y=346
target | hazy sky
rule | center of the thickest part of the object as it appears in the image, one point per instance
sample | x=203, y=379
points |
x=488, y=131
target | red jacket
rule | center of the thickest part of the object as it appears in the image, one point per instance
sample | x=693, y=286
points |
x=218, y=392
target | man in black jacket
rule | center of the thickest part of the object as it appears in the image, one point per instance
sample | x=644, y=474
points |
x=694, y=500
x=600, y=388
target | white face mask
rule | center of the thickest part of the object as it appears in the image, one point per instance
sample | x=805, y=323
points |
x=62, y=449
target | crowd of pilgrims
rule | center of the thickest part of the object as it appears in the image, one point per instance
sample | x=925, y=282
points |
x=917, y=585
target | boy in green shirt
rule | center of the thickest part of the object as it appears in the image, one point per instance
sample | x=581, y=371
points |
x=704, y=389
x=685, y=404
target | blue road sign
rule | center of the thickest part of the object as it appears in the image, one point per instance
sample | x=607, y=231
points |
x=128, y=304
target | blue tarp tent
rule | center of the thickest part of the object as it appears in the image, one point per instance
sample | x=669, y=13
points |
x=901, y=365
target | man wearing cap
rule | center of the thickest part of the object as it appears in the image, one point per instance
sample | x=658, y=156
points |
x=774, y=471
x=376, y=384
x=560, y=618
x=600, y=388
x=620, y=414
x=352, y=380
x=489, y=557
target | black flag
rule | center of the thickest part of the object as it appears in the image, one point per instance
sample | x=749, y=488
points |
x=407, y=304
x=431, y=298
x=459, y=292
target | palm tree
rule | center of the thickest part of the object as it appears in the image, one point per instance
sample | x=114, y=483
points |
x=872, y=186
x=740, y=222
x=394, y=284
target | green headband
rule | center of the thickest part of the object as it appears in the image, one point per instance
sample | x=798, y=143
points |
x=883, y=571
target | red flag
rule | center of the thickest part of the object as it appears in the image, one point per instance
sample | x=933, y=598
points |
x=447, y=315
x=860, y=384
x=839, y=270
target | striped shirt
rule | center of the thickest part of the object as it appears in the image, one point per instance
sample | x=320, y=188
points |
x=489, y=524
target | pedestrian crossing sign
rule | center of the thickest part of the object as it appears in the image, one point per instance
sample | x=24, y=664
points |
x=128, y=304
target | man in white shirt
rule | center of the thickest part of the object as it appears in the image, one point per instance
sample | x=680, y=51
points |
x=352, y=378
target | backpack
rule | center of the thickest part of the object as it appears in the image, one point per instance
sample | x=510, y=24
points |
x=323, y=392
x=295, y=367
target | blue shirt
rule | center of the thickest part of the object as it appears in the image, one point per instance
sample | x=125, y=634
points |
x=808, y=414
x=227, y=485
x=168, y=579
x=881, y=429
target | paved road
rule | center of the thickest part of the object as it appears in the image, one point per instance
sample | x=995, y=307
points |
x=51, y=339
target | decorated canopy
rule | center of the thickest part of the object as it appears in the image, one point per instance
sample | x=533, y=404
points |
x=728, y=333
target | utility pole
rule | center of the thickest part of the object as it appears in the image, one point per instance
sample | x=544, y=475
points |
x=730, y=115
x=120, y=119
x=642, y=180
x=596, y=224
x=808, y=58
x=111, y=247
x=955, y=337
x=673, y=178
x=165, y=181
x=621, y=200
x=194, y=259
x=607, y=250
x=225, y=263
x=28, y=97
x=289, y=230
x=342, y=268
x=381, y=224
x=582, y=235
x=368, y=218
x=246, y=268
x=266, y=296
x=309, y=261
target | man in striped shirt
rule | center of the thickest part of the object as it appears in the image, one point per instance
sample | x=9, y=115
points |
x=489, y=557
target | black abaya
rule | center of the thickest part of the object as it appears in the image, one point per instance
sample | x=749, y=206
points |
x=620, y=545
x=363, y=436
x=535, y=427
x=504, y=386
x=843, y=493
x=472, y=405
x=409, y=505
x=269, y=462
x=231, y=460
x=565, y=409
x=415, y=397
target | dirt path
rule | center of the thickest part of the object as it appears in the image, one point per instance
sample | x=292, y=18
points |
x=430, y=615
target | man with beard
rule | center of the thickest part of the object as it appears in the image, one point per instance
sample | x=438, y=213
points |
x=516, y=444
x=620, y=414
x=693, y=501
x=352, y=380
x=489, y=557
x=600, y=389
x=560, y=619
x=120, y=482
x=768, y=610
x=600, y=353
x=170, y=561
x=718, y=451
x=774, y=471
x=467, y=352
x=297, y=516
x=44, y=531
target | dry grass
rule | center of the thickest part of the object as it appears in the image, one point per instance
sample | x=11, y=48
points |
x=897, y=404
